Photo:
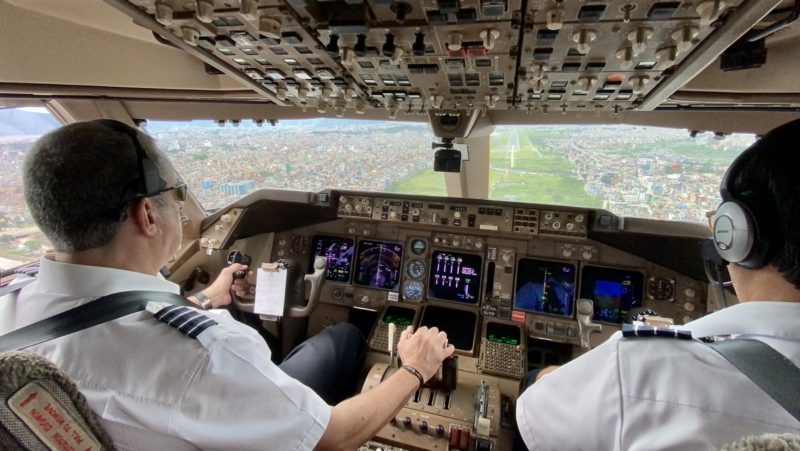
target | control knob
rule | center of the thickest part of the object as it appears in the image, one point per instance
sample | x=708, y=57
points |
x=423, y=426
x=457, y=215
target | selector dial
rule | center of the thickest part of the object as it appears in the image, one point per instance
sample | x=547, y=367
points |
x=412, y=290
x=660, y=288
x=415, y=269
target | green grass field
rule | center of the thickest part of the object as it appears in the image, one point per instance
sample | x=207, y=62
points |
x=427, y=182
x=537, y=175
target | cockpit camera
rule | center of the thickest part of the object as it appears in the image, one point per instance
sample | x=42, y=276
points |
x=446, y=159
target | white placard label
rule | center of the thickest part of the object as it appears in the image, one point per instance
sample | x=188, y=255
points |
x=270, y=292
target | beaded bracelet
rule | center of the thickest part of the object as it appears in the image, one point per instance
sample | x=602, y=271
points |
x=416, y=373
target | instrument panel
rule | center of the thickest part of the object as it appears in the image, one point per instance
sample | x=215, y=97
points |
x=512, y=263
x=506, y=281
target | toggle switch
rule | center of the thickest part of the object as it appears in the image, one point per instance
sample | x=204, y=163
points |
x=164, y=14
x=584, y=38
x=639, y=38
x=204, y=11
x=555, y=19
x=489, y=37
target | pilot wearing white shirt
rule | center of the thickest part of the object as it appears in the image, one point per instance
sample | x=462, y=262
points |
x=101, y=192
x=663, y=393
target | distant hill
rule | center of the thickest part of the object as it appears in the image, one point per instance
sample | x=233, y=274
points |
x=16, y=121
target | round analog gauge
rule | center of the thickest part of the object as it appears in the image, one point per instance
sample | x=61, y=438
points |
x=415, y=269
x=412, y=290
x=418, y=246
x=660, y=288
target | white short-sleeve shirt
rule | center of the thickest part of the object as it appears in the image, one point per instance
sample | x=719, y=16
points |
x=155, y=388
x=660, y=393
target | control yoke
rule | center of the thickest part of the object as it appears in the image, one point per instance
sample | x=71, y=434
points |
x=316, y=279
x=585, y=325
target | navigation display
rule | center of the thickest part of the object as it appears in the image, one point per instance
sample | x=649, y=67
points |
x=455, y=277
x=378, y=264
x=614, y=292
x=545, y=287
x=338, y=251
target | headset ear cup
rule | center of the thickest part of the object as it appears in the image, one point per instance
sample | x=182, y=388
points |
x=733, y=231
x=738, y=237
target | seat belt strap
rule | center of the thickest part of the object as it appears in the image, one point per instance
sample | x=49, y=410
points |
x=101, y=310
x=769, y=369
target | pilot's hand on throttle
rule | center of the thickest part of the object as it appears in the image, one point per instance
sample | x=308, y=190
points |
x=424, y=349
x=219, y=292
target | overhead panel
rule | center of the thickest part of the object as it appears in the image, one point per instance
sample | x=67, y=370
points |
x=411, y=56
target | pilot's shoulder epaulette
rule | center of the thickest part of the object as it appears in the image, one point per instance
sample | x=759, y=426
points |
x=630, y=331
x=187, y=320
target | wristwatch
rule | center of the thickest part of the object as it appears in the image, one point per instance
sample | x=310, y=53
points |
x=204, y=300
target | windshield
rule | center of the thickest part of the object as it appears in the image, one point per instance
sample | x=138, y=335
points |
x=646, y=172
x=21, y=241
x=221, y=164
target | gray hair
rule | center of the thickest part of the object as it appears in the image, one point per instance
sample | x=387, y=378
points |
x=74, y=179
x=765, y=442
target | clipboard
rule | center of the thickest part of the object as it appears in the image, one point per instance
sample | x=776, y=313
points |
x=270, y=297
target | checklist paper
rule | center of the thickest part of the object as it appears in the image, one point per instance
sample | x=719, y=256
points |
x=270, y=291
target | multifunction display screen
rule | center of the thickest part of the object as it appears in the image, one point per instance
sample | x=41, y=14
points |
x=339, y=252
x=614, y=292
x=459, y=325
x=503, y=333
x=455, y=277
x=545, y=287
x=400, y=316
x=378, y=264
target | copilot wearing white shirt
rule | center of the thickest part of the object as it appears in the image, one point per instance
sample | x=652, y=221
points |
x=659, y=393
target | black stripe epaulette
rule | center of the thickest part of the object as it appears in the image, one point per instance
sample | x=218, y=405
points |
x=187, y=320
x=630, y=330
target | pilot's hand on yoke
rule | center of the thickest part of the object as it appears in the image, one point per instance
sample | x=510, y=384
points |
x=424, y=349
x=219, y=292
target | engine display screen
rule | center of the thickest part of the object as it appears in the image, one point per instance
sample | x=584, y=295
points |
x=339, y=252
x=545, y=287
x=614, y=292
x=378, y=264
x=455, y=277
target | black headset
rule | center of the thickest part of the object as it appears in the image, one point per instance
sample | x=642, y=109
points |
x=741, y=223
x=149, y=181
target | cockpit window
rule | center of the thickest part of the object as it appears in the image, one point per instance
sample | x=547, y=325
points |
x=21, y=241
x=221, y=164
x=647, y=172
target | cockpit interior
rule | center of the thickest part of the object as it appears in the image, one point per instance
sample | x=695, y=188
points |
x=516, y=285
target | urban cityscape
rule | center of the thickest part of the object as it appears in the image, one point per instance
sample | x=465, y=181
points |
x=632, y=171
